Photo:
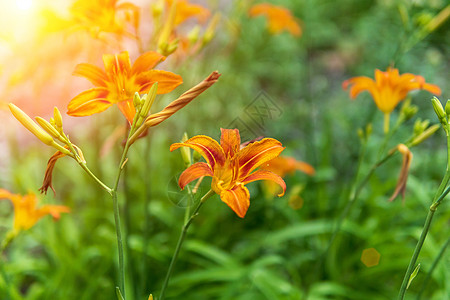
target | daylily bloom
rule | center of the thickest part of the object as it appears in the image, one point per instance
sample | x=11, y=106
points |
x=230, y=167
x=102, y=15
x=119, y=82
x=283, y=165
x=186, y=10
x=26, y=214
x=388, y=88
x=278, y=18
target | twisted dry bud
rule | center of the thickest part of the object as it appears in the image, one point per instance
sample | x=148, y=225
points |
x=174, y=106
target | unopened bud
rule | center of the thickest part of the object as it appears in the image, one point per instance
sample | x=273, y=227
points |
x=148, y=101
x=194, y=34
x=136, y=100
x=57, y=117
x=369, y=129
x=439, y=110
x=425, y=135
x=163, y=43
x=31, y=125
x=361, y=134
x=210, y=31
x=447, y=108
x=157, y=9
x=185, y=151
x=47, y=127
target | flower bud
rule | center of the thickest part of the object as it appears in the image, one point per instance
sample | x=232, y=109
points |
x=439, y=110
x=149, y=99
x=136, y=100
x=31, y=125
x=57, y=117
x=163, y=41
x=424, y=135
x=447, y=108
x=194, y=34
x=210, y=31
x=185, y=151
x=47, y=127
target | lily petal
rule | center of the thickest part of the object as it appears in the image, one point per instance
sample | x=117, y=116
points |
x=4, y=194
x=53, y=210
x=89, y=102
x=195, y=171
x=257, y=153
x=117, y=64
x=167, y=81
x=238, y=199
x=230, y=141
x=146, y=61
x=127, y=109
x=360, y=84
x=206, y=146
x=266, y=175
x=93, y=73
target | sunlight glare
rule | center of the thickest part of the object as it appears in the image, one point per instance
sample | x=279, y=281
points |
x=24, y=4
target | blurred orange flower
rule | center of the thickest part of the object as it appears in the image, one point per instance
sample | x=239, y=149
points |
x=283, y=165
x=186, y=10
x=231, y=167
x=25, y=212
x=278, y=18
x=388, y=88
x=101, y=15
x=120, y=82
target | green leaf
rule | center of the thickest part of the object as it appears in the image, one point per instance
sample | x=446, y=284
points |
x=119, y=294
x=413, y=275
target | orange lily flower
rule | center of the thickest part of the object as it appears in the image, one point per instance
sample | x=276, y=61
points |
x=283, y=165
x=186, y=10
x=25, y=212
x=278, y=17
x=101, y=15
x=119, y=83
x=230, y=167
x=388, y=88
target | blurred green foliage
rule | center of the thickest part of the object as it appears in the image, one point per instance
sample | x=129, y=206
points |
x=276, y=252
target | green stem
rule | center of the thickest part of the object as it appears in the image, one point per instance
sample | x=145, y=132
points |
x=440, y=194
x=89, y=172
x=354, y=196
x=386, y=123
x=180, y=242
x=117, y=219
x=433, y=266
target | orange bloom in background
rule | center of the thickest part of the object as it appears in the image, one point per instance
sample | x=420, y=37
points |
x=388, y=88
x=278, y=18
x=230, y=167
x=283, y=165
x=186, y=10
x=25, y=212
x=102, y=15
x=119, y=82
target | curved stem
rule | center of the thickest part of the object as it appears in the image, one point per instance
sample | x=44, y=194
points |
x=440, y=194
x=89, y=172
x=180, y=242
